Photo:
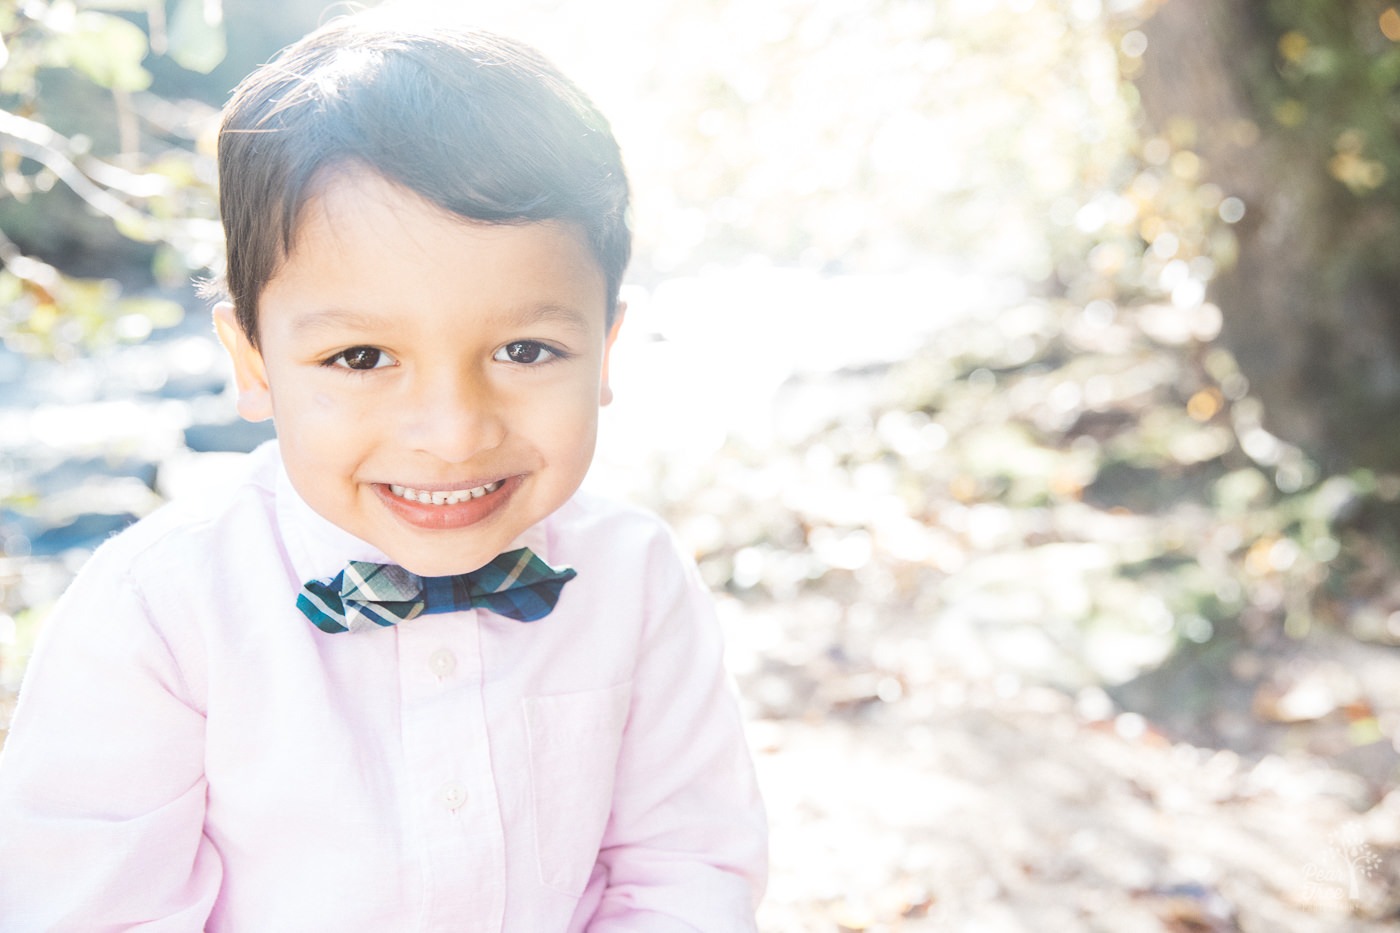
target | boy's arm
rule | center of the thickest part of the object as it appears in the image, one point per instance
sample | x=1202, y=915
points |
x=102, y=790
x=686, y=845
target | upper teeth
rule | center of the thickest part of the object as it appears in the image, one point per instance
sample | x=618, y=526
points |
x=444, y=498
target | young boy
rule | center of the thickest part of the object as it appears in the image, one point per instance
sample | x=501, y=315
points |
x=237, y=720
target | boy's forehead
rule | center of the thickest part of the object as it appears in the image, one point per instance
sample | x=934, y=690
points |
x=345, y=199
x=356, y=223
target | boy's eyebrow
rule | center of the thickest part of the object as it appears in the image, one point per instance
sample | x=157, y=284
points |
x=547, y=312
x=336, y=317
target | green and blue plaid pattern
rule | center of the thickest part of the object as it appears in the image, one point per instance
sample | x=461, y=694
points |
x=517, y=584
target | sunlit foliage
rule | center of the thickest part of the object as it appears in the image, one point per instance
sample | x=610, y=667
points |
x=84, y=149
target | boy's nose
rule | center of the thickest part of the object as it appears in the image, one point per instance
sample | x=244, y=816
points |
x=454, y=418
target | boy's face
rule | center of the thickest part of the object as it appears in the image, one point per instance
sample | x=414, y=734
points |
x=406, y=354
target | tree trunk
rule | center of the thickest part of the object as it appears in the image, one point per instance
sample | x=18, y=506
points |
x=1309, y=315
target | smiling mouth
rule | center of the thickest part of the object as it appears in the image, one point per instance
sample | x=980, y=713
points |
x=444, y=496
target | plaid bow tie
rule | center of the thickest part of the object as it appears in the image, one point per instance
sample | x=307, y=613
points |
x=517, y=584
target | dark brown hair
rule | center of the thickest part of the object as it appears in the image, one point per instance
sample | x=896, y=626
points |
x=480, y=125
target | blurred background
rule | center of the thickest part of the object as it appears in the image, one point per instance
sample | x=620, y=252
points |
x=1021, y=373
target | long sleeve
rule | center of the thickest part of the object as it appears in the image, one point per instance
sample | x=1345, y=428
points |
x=102, y=792
x=686, y=843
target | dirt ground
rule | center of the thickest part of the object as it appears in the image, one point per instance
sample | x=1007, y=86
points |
x=962, y=804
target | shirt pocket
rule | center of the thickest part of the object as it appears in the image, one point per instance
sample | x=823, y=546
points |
x=575, y=739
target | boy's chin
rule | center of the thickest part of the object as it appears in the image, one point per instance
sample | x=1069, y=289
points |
x=445, y=561
x=445, y=554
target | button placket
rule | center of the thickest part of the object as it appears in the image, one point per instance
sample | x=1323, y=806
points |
x=444, y=732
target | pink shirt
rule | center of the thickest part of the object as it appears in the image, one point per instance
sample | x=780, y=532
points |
x=190, y=753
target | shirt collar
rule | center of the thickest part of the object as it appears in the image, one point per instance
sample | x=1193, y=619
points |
x=319, y=548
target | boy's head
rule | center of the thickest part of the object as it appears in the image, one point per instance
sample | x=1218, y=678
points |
x=480, y=125
x=425, y=236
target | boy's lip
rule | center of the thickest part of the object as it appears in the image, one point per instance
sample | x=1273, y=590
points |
x=450, y=515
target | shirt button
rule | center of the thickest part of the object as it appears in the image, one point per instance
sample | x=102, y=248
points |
x=442, y=662
x=452, y=795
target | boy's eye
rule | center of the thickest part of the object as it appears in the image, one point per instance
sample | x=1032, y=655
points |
x=525, y=351
x=361, y=358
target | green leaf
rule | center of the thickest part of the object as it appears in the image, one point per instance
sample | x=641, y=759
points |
x=106, y=49
x=197, y=35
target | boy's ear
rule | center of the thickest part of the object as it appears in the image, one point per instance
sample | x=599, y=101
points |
x=605, y=394
x=249, y=374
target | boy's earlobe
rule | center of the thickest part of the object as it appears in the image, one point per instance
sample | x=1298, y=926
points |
x=249, y=373
x=605, y=394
